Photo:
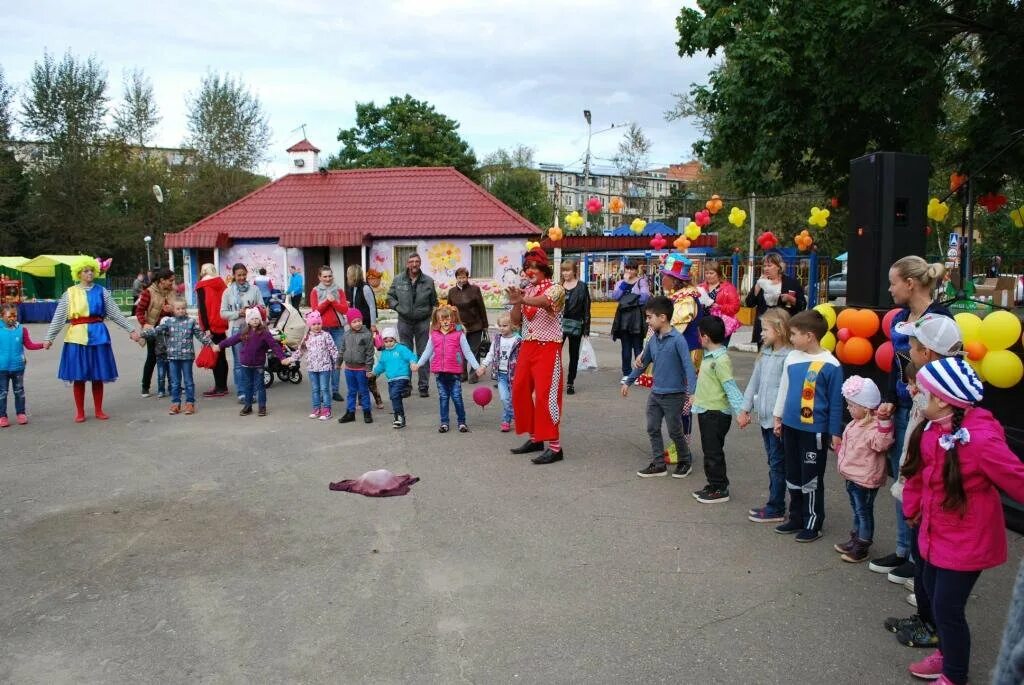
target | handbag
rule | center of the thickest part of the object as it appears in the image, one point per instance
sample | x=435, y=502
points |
x=207, y=358
x=572, y=327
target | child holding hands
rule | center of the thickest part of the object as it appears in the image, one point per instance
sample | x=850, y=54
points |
x=14, y=340
x=395, y=361
x=322, y=355
x=355, y=354
x=178, y=331
x=256, y=341
x=446, y=349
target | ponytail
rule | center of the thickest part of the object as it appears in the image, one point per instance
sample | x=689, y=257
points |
x=914, y=462
x=952, y=479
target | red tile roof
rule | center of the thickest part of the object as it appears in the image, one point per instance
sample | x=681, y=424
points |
x=688, y=171
x=303, y=146
x=347, y=208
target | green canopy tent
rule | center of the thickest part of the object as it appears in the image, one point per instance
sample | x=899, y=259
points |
x=52, y=274
x=10, y=267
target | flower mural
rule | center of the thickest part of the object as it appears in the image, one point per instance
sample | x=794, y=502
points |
x=444, y=257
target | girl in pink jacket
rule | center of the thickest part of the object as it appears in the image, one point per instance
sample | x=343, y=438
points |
x=446, y=350
x=862, y=458
x=956, y=460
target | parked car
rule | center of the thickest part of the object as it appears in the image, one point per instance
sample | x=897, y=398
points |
x=836, y=286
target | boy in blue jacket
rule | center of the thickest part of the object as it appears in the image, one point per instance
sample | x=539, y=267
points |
x=395, y=360
x=808, y=416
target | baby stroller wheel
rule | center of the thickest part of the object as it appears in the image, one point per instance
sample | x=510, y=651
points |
x=295, y=376
x=283, y=374
x=268, y=378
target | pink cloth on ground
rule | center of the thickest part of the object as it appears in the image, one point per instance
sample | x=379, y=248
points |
x=380, y=483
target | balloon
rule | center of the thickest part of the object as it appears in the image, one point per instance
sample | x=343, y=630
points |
x=970, y=326
x=956, y=180
x=702, y=218
x=638, y=226
x=999, y=330
x=681, y=243
x=767, y=240
x=531, y=245
x=829, y=312
x=482, y=396
x=818, y=217
x=844, y=334
x=829, y=342
x=658, y=242
x=856, y=351
x=1002, y=368
x=616, y=205
x=975, y=350
x=883, y=356
x=573, y=221
x=555, y=233
x=845, y=318
x=737, y=216
x=692, y=231
x=992, y=202
x=714, y=205
x=1017, y=217
x=978, y=370
x=937, y=211
x=594, y=205
x=887, y=321
x=864, y=323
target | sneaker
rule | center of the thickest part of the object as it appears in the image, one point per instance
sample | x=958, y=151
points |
x=347, y=417
x=175, y=409
x=262, y=411
x=682, y=470
x=569, y=390
x=400, y=422
x=920, y=635
x=895, y=625
x=886, y=563
x=463, y=428
x=325, y=415
x=443, y=428
x=714, y=496
x=623, y=380
x=22, y=419
x=928, y=668
x=764, y=515
x=909, y=584
x=241, y=399
x=246, y=410
x=161, y=395
x=4, y=423
x=190, y=409
x=912, y=600
x=145, y=393
x=901, y=573
x=367, y=417
x=424, y=393
x=652, y=471
x=505, y=427
x=395, y=422
x=315, y=414
x=788, y=527
x=807, y=535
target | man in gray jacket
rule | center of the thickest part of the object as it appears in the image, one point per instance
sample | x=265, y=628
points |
x=413, y=296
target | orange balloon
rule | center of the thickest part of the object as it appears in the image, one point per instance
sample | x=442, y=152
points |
x=845, y=318
x=857, y=351
x=975, y=350
x=865, y=323
x=555, y=233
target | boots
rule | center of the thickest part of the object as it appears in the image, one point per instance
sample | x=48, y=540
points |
x=858, y=552
x=347, y=417
x=367, y=416
x=97, y=400
x=844, y=547
x=78, y=390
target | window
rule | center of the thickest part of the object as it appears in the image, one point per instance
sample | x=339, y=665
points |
x=401, y=254
x=481, y=263
x=569, y=199
x=551, y=179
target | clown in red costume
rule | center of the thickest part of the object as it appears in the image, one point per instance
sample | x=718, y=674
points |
x=538, y=381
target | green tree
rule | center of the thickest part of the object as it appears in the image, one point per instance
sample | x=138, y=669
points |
x=13, y=182
x=403, y=133
x=510, y=176
x=137, y=116
x=226, y=124
x=6, y=99
x=633, y=160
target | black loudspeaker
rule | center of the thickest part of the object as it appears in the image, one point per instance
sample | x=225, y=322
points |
x=888, y=220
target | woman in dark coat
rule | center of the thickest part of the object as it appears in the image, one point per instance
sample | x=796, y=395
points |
x=629, y=325
x=774, y=290
x=469, y=300
x=575, y=317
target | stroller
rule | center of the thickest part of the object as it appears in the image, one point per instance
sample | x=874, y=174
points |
x=275, y=306
x=289, y=330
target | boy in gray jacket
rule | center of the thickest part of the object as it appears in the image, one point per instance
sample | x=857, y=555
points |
x=355, y=356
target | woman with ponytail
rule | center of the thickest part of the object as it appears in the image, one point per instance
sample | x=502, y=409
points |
x=955, y=463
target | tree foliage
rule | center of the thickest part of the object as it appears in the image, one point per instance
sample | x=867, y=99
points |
x=66, y=102
x=403, y=133
x=226, y=123
x=510, y=176
x=6, y=99
x=137, y=116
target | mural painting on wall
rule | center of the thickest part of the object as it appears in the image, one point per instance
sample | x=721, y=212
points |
x=272, y=257
x=440, y=260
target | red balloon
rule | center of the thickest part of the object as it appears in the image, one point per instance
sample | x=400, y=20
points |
x=482, y=396
x=844, y=334
x=887, y=321
x=883, y=356
x=658, y=242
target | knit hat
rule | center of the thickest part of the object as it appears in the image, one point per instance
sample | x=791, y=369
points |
x=389, y=332
x=862, y=391
x=314, y=318
x=938, y=333
x=252, y=315
x=677, y=266
x=354, y=315
x=538, y=256
x=952, y=380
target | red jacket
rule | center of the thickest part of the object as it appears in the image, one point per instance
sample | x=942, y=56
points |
x=210, y=290
x=976, y=540
x=331, y=311
x=728, y=300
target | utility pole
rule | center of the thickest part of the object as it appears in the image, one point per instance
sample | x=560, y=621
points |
x=586, y=163
x=753, y=228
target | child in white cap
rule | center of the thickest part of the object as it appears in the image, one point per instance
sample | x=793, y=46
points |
x=862, y=457
x=395, y=361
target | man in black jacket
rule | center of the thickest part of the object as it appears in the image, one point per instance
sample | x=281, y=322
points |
x=413, y=296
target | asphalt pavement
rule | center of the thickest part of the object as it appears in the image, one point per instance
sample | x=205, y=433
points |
x=171, y=549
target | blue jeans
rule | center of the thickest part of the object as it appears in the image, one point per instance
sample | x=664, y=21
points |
x=17, y=381
x=252, y=385
x=320, y=390
x=862, y=501
x=336, y=335
x=450, y=387
x=237, y=370
x=901, y=418
x=358, y=385
x=505, y=393
x=776, y=472
x=163, y=370
x=396, y=388
x=180, y=372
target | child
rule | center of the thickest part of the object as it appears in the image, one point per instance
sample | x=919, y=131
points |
x=163, y=367
x=808, y=414
x=355, y=353
x=395, y=361
x=674, y=376
x=957, y=463
x=763, y=388
x=449, y=343
x=715, y=402
x=14, y=340
x=501, y=360
x=323, y=353
x=862, y=457
x=178, y=331
x=256, y=341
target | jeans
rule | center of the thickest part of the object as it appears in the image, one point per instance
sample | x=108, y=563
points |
x=17, y=382
x=473, y=339
x=181, y=375
x=862, y=501
x=396, y=389
x=713, y=427
x=574, y=356
x=414, y=335
x=450, y=387
x=163, y=370
x=252, y=384
x=358, y=387
x=948, y=592
x=505, y=393
x=320, y=390
x=776, y=471
x=805, y=475
x=238, y=371
x=632, y=346
x=901, y=418
x=667, y=407
x=336, y=335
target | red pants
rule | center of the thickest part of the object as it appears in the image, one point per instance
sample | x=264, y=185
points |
x=537, y=389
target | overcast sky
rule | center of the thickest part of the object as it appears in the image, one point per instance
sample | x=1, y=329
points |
x=511, y=72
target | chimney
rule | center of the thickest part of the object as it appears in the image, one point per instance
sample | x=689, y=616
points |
x=305, y=157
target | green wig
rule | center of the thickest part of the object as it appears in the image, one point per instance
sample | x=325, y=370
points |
x=84, y=262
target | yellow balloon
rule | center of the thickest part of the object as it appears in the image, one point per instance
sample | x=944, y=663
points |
x=999, y=330
x=829, y=312
x=829, y=341
x=638, y=226
x=976, y=365
x=970, y=326
x=1002, y=368
x=692, y=231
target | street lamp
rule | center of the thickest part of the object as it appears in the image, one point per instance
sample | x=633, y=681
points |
x=586, y=157
x=149, y=260
x=158, y=193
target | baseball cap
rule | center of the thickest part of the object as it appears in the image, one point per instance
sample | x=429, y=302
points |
x=937, y=333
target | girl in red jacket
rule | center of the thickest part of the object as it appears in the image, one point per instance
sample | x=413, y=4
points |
x=955, y=463
x=446, y=351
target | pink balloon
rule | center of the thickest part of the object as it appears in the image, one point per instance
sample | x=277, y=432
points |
x=887, y=321
x=883, y=356
x=658, y=242
x=482, y=396
x=844, y=334
x=702, y=218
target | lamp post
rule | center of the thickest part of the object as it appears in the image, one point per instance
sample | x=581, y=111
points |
x=586, y=157
x=149, y=258
x=158, y=193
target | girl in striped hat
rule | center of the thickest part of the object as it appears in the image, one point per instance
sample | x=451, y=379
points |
x=956, y=460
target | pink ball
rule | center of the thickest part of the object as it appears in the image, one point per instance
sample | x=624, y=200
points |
x=887, y=321
x=482, y=396
x=844, y=334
